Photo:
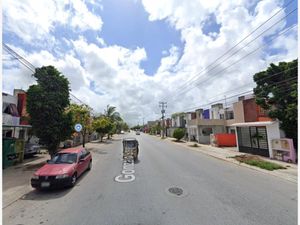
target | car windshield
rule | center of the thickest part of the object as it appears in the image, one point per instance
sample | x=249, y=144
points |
x=62, y=158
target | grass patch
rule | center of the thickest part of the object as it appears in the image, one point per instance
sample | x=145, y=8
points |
x=258, y=162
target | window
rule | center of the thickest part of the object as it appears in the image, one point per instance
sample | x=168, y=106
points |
x=207, y=131
x=62, y=158
x=83, y=153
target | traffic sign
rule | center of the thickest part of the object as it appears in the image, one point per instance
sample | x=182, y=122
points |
x=78, y=127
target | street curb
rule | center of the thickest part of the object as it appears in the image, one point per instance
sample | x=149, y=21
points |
x=234, y=162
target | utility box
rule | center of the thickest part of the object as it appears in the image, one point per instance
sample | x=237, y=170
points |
x=9, y=154
x=283, y=149
x=19, y=148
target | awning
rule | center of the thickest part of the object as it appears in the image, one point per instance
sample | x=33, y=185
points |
x=254, y=124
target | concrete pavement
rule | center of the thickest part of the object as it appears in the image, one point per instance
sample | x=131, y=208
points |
x=16, y=179
x=226, y=154
x=213, y=192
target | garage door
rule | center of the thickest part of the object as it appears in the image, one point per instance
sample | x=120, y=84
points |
x=253, y=140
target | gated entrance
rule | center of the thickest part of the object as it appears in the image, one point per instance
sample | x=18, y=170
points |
x=253, y=140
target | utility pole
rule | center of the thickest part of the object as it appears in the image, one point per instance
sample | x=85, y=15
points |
x=163, y=105
x=225, y=111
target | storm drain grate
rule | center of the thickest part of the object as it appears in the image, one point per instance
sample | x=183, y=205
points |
x=176, y=191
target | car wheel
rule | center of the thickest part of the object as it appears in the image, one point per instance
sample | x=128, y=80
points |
x=90, y=165
x=73, y=180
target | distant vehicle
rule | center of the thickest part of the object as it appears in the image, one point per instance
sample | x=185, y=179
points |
x=63, y=169
x=130, y=148
x=137, y=133
x=122, y=131
x=31, y=149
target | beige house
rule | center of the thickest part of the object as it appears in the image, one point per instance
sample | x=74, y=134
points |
x=200, y=128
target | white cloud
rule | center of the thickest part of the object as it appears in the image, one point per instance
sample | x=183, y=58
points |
x=116, y=71
x=83, y=18
x=101, y=41
x=34, y=19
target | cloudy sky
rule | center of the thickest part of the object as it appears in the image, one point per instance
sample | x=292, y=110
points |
x=134, y=53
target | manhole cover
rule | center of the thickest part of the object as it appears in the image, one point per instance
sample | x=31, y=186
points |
x=176, y=191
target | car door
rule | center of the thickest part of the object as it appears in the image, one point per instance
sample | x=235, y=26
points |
x=81, y=162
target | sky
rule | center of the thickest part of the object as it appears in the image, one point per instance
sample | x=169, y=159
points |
x=132, y=54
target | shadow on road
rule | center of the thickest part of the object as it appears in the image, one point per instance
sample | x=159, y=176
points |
x=48, y=194
x=137, y=161
x=106, y=142
x=97, y=151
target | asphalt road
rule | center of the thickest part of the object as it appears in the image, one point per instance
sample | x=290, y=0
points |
x=214, y=192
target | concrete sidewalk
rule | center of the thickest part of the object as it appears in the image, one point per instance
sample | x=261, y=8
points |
x=16, y=179
x=290, y=173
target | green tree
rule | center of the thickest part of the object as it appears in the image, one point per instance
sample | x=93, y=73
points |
x=46, y=104
x=114, y=118
x=276, y=91
x=112, y=114
x=178, y=133
x=137, y=127
x=81, y=114
x=102, y=125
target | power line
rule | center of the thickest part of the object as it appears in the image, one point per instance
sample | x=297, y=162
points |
x=243, y=93
x=186, y=84
x=30, y=66
x=182, y=91
x=277, y=84
x=239, y=59
x=261, y=79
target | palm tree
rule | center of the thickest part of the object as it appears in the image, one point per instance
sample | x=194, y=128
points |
x=112, y=115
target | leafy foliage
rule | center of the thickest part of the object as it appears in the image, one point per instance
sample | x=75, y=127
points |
x=46, y=104
x=156, y=129
x=102, y=125
x=276, y=91
x=81, y=114
x=178, y=133
x=174, y=115
x=137, y=127
x=114, y=118
x=112, y=114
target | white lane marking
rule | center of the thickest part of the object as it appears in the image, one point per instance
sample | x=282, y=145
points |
x=127, y=174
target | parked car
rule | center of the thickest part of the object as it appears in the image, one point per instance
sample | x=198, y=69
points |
x=31, y=149
x=122, y=131
x=63, y=169
x=137, y=133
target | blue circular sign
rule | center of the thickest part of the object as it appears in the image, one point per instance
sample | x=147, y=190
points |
x=78, y=127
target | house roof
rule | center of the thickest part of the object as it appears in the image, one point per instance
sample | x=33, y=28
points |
x=253, y=124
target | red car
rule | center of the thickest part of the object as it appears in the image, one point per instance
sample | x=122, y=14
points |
x=63, y=169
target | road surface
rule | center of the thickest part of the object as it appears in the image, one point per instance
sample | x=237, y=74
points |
x=210, y=192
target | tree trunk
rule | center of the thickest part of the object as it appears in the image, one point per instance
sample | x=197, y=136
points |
x=52, y=150
x=83, y=141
